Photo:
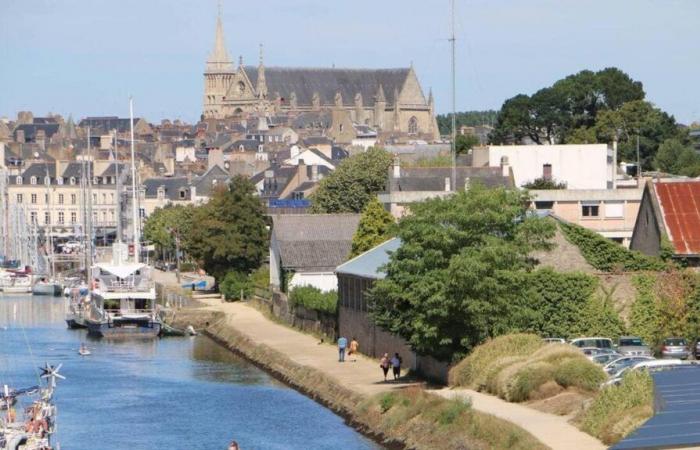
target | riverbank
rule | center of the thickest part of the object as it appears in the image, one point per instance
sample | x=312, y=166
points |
x=354, y=390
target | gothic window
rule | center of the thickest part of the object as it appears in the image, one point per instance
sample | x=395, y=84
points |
x=413, y=125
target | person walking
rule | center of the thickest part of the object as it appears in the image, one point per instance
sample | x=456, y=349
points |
x=354, y=346
x=396, y=365
x=384, y=363
x=342, y=344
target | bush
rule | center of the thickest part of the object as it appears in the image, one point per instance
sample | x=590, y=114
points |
x=261, y=278
x=188, y=267
x=620, y=409
x=234, y=284
x=579, y=372
x=605, y=255
x=313, y=298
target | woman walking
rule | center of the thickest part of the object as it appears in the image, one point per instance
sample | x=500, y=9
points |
x=396, y=365
x=384, y=363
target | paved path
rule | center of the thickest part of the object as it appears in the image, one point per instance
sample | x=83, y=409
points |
x=365, y=376
x=554, y=431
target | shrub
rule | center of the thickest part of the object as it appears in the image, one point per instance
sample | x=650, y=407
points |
x=579, y=372
x=313, y=298
x=620, y=409
x=261, y=278
x=605, y=255
x=235, y=284
x=188, y=267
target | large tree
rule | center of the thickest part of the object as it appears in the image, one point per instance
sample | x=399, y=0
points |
x=229, y=232
x=353, y=183
x=162, y=226
x=459, y=275
x=376, y=226
x=676, y=157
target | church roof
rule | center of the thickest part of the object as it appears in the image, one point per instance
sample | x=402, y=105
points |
x=329, y=81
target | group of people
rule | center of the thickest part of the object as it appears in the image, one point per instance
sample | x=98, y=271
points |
x=385, y=363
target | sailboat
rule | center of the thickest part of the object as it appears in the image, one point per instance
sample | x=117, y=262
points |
x=33, y=427
x=123, y=294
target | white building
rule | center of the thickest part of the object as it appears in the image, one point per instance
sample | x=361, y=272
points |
x=580, y=166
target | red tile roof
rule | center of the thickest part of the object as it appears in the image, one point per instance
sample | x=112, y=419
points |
x=680, y=207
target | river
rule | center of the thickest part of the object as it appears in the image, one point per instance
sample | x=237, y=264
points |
x=172, y=393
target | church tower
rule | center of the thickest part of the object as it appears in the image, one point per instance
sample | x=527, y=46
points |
x=218, y=74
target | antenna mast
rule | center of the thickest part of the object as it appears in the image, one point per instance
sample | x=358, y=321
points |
x=454, y=112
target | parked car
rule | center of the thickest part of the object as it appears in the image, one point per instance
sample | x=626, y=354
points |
x=632, y=346
x=675, y=347
x=651, y=365
x=696, y=353
x=604, y=358
x=554, y=340
x=597, y=342
x=614, y=367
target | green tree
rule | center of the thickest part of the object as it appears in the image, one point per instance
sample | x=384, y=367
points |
x=465, y=118
x=542, y=183
x=353, y=183
x=230, y=232
x=236, y=286
x=465, y=142
x=459, y=275
x=161, y=226
x=376, y=226
x=675, y=157
x=599, y=317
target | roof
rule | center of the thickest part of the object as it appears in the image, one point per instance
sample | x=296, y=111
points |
x=369, y=264
x=314, y=242
x=680, y=210
x=108, y=123
x=304, y=82
x=31, y=129
x=171, y=186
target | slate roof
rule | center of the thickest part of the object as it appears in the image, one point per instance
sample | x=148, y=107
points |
x=171, y=185
x=317, y=140
x=313, y=242
x=250, y=145
x=111, y=170
x=680, y=210
x=38, y=170
x=204, y=183
x=368, y=264
x=31, y=129
x=313, y=119
x=108, y=123
x=73, y=169
x=305, y=81
x=433, y=178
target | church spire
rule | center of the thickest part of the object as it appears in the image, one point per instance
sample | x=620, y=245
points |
x=219, y=59
x=261, y=87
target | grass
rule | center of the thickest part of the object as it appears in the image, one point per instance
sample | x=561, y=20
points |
x=515, y=367
x=619, y=410
x=433, y=422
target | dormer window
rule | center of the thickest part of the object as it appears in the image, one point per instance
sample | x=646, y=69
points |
x=47, y=180
x=183, y=194
x=161, y=193
x=32, y=180
x=72, y=180
x=18, y=180
x=59, y=180
x=95, y=180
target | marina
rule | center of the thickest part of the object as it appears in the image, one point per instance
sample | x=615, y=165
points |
x=168, y=393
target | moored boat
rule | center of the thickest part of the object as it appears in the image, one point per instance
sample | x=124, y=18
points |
x=16, y=284
x=47, y=287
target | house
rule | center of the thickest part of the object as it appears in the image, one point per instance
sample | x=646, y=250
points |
x=670, y=211
x=609, y=212
x=305, y=249
x=580, y=166
x=288, y=187
x=310, y=156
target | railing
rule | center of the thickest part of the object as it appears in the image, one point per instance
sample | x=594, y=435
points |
x=115, y=285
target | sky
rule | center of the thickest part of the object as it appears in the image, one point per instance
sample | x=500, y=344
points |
x=86, y=58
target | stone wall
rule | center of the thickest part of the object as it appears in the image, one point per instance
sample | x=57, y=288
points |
x=311, y=321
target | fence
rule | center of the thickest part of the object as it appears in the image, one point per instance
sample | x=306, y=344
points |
x=309, y=320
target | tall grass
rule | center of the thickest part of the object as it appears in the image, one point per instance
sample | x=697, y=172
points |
x=618, y=410
x=433, y=422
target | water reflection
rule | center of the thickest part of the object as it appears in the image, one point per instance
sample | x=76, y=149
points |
x=29, y=311
x=220, y=365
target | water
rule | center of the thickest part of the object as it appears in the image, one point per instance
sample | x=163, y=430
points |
x=173, y=393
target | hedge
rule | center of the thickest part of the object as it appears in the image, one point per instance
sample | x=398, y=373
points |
x=313, y=298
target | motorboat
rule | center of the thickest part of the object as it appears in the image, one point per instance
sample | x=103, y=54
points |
x=45, y=286
x=78, y=306
x=16, y=284
x=83, y=350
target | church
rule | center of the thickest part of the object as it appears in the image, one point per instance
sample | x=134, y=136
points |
x=389, y=100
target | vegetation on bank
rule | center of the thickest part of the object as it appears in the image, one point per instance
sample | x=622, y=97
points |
x=516, y=368
x=433, y=422
x=313, y=298
x=618, y=410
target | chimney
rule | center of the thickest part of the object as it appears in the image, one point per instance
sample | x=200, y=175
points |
x=397, y=167
x=301, y=171
x=505, y=167
x=314, y=173
x=19, y=136
x=447, y=184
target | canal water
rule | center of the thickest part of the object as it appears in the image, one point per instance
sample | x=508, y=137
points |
x=172, y=393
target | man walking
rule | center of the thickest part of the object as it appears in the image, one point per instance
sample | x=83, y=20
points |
x=342, y=344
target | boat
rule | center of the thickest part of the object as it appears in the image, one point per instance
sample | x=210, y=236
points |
x=31, y=428
x=16, y=284
x=83, y=350
x=47, y=287
x=123, y=299
x=78, y=306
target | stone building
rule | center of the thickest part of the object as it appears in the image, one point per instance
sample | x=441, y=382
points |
x=390, y=100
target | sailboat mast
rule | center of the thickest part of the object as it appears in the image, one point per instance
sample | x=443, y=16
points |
x=118, y=195
x=134, y=206
x=454, y=108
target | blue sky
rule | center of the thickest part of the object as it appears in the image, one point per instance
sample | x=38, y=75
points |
x=86, y=57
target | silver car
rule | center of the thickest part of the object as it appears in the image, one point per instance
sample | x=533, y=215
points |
x=676, y=348
x=604, y=358
x=615, y=367
x=632, y=346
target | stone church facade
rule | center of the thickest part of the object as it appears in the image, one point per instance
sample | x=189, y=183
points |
x=390, y=100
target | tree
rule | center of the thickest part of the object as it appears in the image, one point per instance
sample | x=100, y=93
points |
x=376, y=226
x=459, y=275
x=543, y=183
x=675, y=157
x=465, y=142
x=161, y=226
x=465, y=118
x=353, y=183
x=230, y=232
x=236, y=286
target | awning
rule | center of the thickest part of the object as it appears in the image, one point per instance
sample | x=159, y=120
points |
x=121, y=270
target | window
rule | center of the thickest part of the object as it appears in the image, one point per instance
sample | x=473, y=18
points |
x=47, y=181
x=590, y=209
x=33, y=217
x=47, y=218
x=547, y=172
x=297, y=196
x=142, y=213
x=60, y=199
x=104, y=198
x=412, y=125
x=73, y=217
x=104, y=216
x=614, y=210
x=73, y=199
x=33, y=199
x=61, y=218
x=19, y=198
x=94, y=216
x=46, y=198
x=544, y=205
x=94, y=198
x=161, y=193
x=111, y=198
x=72, y=180
x=32, y=180
x=183, y=193
x=18, y=180
x=59, y=180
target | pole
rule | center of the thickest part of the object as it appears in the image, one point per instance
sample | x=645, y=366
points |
x=454, y=107
x=134, y=211
x=117, y=187
x=639, y=165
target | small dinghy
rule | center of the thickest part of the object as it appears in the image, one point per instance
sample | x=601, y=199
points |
x=83, y=350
